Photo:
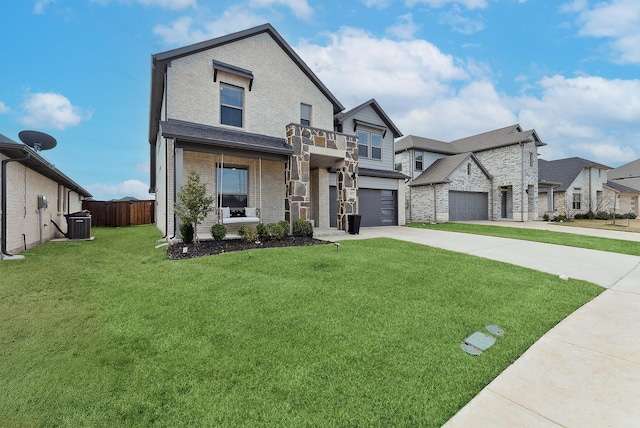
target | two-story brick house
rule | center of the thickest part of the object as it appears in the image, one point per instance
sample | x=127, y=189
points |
x=578, y=186
x=257, y=124
x=492, y=175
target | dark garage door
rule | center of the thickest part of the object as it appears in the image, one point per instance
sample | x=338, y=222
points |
x=377, y=207
x=468, y=206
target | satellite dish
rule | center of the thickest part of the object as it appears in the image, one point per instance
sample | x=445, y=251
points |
x=37, y=140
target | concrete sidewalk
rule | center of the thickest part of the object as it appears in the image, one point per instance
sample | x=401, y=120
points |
x=585, y=372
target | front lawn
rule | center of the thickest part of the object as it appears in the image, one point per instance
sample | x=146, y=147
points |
x=112, y=333
x=548, y=237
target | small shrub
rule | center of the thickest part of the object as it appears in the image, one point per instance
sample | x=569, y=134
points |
x=580, y=216
x=247, y=233
x=186, y=232
x=271, y=231
x=284, y=224
x=545, y=217
x=560, y=217
x=302, y=228
x=603, y=215
x=631, y=216
x=218, y=232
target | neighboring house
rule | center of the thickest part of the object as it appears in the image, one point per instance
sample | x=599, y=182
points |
x=493, y=175
x=257, y=124
x=380, y=187
x=574, y=185
x=627, y=174
x=35, y=195
x=626, y=198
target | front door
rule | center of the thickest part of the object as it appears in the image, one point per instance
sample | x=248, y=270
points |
x=503, y=204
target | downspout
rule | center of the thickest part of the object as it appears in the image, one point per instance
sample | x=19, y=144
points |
x=4, y=201
x=521, y=181
x=435, y=210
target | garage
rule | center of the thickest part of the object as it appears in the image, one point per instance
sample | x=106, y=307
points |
x=468, y=206
x=377, y=207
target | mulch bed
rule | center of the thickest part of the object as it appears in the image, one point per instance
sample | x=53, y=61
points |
x=211, y=247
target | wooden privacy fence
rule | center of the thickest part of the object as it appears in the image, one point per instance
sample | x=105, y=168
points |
x=120, y=213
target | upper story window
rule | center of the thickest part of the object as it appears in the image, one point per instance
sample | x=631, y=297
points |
x=468, y=169
x=231, y=105
x=530, y=159
x=369, y=145
x=419, y=157
x=305, y=115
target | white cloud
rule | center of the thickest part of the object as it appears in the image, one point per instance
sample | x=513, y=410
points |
x=380, y=4
x=185, y=30
x=404, y=28
x=38, y=8
x=169, y=4
x=300, y=8
x=586, y=116
x=469, y=4
x=4, y=108
x=460, y=23
x=51, y=110
x=616, y=20
x=106, y=191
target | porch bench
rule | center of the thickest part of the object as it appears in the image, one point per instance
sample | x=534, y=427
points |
x=251, y=218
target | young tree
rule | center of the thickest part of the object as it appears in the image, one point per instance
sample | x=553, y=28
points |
x=193, y=204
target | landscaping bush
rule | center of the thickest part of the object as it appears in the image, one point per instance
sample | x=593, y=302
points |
x=631, y=216
x=560, y=217
x=218, y=232
x=186, y=232
x=271, y=231
x=545, y=217
x=247, y=233
x=603, y=215
x=302, y=228
x=580, y=216
x=284, y=224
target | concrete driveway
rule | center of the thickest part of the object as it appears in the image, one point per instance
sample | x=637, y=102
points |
x=585, y=372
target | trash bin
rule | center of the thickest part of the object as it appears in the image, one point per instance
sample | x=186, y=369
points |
x=79, y=225
x=353, y=221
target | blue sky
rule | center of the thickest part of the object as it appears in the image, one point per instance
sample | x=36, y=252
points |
x=443, y=69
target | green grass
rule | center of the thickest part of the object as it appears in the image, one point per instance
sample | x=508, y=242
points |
x=549, y=237
x=112, y=333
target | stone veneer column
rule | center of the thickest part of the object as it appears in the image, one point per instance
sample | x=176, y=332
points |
x=298, y=202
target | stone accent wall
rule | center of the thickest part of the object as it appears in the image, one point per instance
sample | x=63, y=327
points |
x=306, y=142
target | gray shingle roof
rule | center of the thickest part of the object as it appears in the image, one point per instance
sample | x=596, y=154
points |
x=621, y=188
x=628, y=170
x=215, y=136
x=368, y=172
x=441, y=169
x=564, y=171
x=476, y=143
x=37, y=163
x=428, y=144
x=341, y=117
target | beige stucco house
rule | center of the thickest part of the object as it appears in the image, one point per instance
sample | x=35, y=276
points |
x=262, y=131
x=35, y=198
x=493, y=175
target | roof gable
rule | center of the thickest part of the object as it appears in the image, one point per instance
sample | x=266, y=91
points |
x=342, y=117
x=441, y=170
x=160, y=61
x=564, y=171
